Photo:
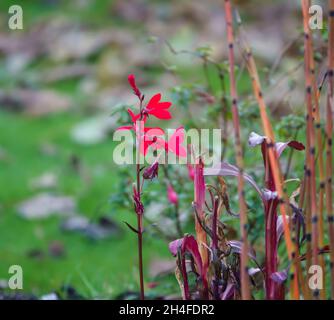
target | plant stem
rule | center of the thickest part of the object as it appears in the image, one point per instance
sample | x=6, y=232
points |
x=139, y=129
x=329, y=139
x=217, y=271
x=224, y=110
x=270, y=247
x=320, y=162
x=199, y=199
x=310, y=132
x=284, y=206
x=245, y=290
x=140, y=239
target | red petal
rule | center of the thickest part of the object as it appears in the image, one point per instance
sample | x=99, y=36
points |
x=132, y=82
x=160, y=114
x=154, y=131
x=151, y=137
x=125, y=128
x=175, y=141
x=154, y=101
x=163, y=105
x=181, y=151
x=134, y=117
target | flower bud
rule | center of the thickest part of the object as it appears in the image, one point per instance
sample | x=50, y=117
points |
x=139, y=207
x=172, y=195
x=152, y=171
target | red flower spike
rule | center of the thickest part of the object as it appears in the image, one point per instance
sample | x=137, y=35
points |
x=132, y=82
x=157, y=108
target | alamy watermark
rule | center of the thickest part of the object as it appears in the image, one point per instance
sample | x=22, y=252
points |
x=15, y=281
x=15, y=21
x=315, y=281
x=167, y=147
x=317, y=17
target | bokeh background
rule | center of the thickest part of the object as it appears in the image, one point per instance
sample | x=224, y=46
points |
x=63, y=91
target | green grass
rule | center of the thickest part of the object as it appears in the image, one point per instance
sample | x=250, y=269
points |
x=102, y=268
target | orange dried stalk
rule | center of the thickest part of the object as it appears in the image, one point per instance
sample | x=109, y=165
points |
x=245, y=290
x=278, y=180
x=329, y=139
x=310, y=133
x=320, y=158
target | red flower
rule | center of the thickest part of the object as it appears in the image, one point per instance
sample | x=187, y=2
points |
x=157, y=108
x=154, y=140
x=148, y=135
x=151, y=137
x=132, y=82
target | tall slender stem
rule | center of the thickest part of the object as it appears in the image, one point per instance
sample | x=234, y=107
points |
x=310, y=133
x=284, y=206
x=329, y=141
x=139, y=216
x=245, y=291
x=140, y=256
x=214, y=246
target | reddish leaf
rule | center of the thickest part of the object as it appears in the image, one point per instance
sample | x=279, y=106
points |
x=236, y=248
x=226, y=169
x=188, y=244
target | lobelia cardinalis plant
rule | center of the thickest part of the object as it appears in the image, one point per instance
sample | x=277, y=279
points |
x=274, y=289
x=213, y=259
x=274, y=280
x=149, y=138
x=218, y=268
